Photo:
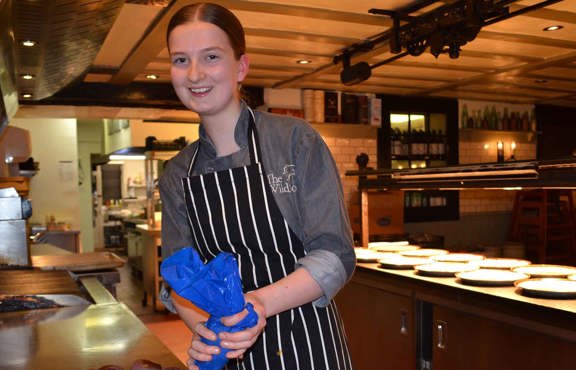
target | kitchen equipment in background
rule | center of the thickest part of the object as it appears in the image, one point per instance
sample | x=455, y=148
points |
x=14, y=211
x=15, y=148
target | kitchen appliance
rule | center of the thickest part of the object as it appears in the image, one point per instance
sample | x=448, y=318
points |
x=15, y=148
x=14, y=210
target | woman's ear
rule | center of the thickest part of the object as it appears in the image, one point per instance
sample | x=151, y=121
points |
x=243, y=67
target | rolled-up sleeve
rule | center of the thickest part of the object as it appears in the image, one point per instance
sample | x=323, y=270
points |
x=326, y=231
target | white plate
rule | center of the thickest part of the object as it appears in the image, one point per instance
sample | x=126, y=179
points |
x=444, y=269
x=544, y=271
x=378, y=244
x=490, y=277
x=548, y=287
x=458, y=257
x=388, y=247
x=423, y=252
x=399, y=262
x=369, y=255
x=502, y=263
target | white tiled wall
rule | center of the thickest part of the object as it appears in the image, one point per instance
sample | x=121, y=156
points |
x=344, y=151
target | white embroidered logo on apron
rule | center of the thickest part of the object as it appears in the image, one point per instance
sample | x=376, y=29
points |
x=283, y=183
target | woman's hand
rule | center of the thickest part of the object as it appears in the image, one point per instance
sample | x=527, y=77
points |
x=240, y=341
x=195, y=320
x=199, y=350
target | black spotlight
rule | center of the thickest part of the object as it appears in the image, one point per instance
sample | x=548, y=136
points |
x=454, y=51
x=354, y=74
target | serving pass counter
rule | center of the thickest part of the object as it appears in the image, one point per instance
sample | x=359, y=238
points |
x=398, y=320
x=78, y=336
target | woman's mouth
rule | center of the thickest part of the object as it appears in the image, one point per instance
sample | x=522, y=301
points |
x=200, y=90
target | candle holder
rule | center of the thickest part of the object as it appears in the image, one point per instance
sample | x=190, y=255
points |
x=513, y=151
x=500, y=151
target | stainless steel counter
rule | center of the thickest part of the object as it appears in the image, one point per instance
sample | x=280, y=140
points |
x=79, y=337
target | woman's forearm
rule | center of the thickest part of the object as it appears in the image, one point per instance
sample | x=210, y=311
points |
x=188, y=312
x=292, y=291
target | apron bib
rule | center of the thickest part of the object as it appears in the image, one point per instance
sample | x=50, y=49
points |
x=234, y=211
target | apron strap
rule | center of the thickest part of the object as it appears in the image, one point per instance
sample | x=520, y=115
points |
x=253, y=144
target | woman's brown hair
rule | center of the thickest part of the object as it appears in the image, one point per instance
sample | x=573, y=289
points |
x=218, y=16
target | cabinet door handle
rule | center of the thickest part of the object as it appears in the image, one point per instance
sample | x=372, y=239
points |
x=403, y=322
x=441, y=334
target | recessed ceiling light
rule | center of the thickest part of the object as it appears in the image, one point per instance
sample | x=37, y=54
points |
x=27, y=76
x=152, y=77
x=26, y=95
x=553, y=28
x=304, y=61
x=29, y=43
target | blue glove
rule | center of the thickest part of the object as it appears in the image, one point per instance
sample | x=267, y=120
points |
x=215, y=287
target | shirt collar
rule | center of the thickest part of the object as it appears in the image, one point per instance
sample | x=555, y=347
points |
x=240, y=132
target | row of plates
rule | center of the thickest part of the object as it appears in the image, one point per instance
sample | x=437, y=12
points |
x=549, y=281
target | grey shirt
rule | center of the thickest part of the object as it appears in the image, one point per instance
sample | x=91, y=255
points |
x=306, y=186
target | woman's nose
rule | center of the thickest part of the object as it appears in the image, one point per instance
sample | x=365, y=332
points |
x=195, y=71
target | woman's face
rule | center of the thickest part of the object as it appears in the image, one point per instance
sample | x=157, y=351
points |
x=204, y=70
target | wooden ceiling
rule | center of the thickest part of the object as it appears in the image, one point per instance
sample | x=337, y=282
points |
x=99, y=52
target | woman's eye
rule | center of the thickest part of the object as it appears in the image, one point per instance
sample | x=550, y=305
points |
x=212, y=57
x=178, y=60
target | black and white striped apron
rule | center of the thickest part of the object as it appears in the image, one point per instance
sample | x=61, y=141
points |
x=234, y=211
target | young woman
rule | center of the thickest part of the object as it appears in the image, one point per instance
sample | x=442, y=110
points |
x=263, y=187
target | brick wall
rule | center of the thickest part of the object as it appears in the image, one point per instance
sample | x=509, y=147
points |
x=488, y=201
x=345, y=143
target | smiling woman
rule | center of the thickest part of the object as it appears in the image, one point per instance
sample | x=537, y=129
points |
x=264, y=188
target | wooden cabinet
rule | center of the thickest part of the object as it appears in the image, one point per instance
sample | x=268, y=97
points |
x=463, y=340
x=380, y=327
x=68, y=240
x=151, y=261
x=395, y=319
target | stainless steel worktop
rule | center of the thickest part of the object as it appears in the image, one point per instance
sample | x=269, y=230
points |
x=79, y=337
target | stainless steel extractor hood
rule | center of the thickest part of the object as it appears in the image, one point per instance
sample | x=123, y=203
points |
x=514, y=174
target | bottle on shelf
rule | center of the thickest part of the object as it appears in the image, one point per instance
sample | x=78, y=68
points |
x=441, y=144
x=464, y=117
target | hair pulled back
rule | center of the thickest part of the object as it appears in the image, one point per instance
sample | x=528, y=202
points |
x=218, y=16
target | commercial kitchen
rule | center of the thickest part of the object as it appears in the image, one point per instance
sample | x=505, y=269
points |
x=451, y=124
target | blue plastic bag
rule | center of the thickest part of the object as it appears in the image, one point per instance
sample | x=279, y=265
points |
x=215, y=287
